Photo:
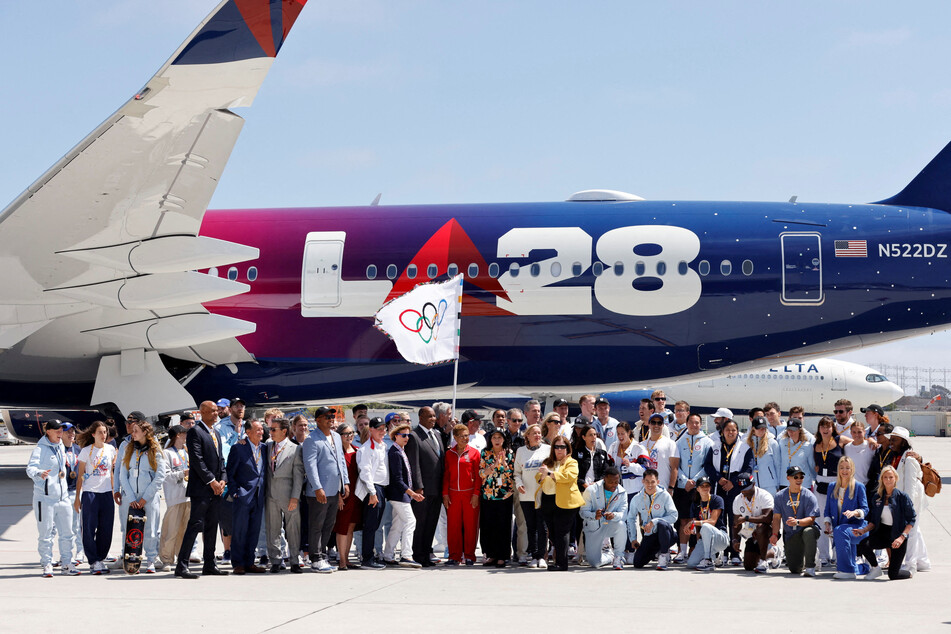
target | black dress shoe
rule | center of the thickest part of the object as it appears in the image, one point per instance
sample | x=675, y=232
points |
x=211, y=572
x=184, y=574
x=296, y=569
x=264, y=560
x=275, y=568
x=426, y=563
x=238, y=570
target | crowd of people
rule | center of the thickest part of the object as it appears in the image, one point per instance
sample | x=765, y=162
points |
x=543, y=492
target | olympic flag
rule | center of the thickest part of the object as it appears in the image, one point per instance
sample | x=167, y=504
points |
x=424, y=323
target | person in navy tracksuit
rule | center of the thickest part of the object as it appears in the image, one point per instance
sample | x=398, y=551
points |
x=246, y=464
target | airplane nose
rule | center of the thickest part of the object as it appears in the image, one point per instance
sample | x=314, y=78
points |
x=895, y=392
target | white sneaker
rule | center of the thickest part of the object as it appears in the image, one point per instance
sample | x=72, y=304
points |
x=542, y=564
x=322, y=565
x=150, y=569
x=533, y=563
x=70, y=570
x=680, y=558
x=629, y=558
x=874, y=573
x=736, y=561
x=662, y=561
x=618, y=563
x=809, y=572
x=844, y=575
x=706, y=564
x=523, y=560
x=48, y=570
x=761, y=567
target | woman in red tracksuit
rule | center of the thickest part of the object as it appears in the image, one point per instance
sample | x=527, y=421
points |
x=461, y=485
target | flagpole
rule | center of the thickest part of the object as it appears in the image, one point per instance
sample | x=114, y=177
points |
x=455, y=371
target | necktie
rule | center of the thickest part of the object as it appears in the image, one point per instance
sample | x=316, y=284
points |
x=432, y=437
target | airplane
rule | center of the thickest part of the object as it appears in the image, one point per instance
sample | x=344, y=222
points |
x=121, y=290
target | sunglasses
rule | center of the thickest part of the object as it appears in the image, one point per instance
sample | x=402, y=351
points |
x=349, y=433
x=517, y=420
x=838, y=411
x=660, y=398
x=273, y=429
x=799, y=477
x=561, y=447
x=403, y=435
x=656, y=422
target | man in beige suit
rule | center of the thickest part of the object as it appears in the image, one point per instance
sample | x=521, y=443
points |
x=285, y=478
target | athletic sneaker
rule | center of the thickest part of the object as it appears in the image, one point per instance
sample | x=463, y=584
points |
x=226, y=557
x=809, y=572
x=629, y=558
x=159, y=565
x=533, y=563
x=48, y=570
x=523, y=561
x=322, y=565
x=761, y=567
x=111, y=559
x=70, y=570
x=705, y=564
x=874, y=573
x=680, y=558
x=470, y=562
x=844, y=575
x=662, y=561
x=150, y=569
x=736, y=561
x=618, y=563
x=542, y=564
x=409, y=563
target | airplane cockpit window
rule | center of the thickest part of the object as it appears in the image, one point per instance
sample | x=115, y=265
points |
x=452, y=270
x=661, y=268
x=473, y=270
x=556, y=269
x=726, y=267
x=411, y=271
x=391, y=272
x=875, y=378
x=233, y=273
x=535, y=270
x=703, y=268
x=639, y=269
x=252, y=273
x=513, y=269
x=576, y=269
x=494, y=270
x=597, y=268
x=747, y=267
x=371, y=272
x=619, y=268
x=432, y=271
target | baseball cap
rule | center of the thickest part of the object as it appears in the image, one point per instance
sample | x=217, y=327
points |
x=67, y=425
x=324, y=411
x=794, y=423
x=654, y=417
x=601, y=401
x=559, y=402
x=390, y=417
x=223, y=402
x=794, y=470
x=136, y=415
x=723, y=413
x=702, y=480
x=235, y=401
x=470, y=414
x=53, y=424
x=376, y=422
x=186, y=416
x=744, y=482
x=874, y=408
x=760, y=422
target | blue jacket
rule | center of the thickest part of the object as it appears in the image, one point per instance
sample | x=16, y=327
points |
x=45, y=456
x=399, y=476
x=797, y=454
x=319, y=463
x=139, y=481
x=765, y=469
x=641, y=506
x=246, y=475
x=903, y=511
x=858, y=501
x=594, y=501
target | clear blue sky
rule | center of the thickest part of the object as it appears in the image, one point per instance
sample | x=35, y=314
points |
x=519, y=101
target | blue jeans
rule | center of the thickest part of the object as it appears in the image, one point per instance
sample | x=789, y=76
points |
x=98, y=511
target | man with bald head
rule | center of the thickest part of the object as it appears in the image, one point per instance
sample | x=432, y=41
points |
x=206, y=483
x=426, y=455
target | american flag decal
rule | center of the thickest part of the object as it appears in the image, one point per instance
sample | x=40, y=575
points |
x=851, y=249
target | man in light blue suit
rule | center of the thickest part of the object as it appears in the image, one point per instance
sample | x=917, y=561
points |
x=327, y=484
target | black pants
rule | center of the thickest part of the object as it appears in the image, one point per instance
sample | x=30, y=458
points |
x=563, y=521
x=728, y=497
x=372, y=516
x=203, y=519
x=657, y=543
x=304, y=528
x=320, y=523
x=536, y=529
x=427, y=520
x=881, y=537
x=495, y=528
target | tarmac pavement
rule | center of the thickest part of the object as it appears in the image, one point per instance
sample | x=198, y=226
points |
x=463, y=599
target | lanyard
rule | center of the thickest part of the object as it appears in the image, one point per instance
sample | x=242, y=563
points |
x=790, y=450
x=650, y=505
x=883, y=460
x=795, y=504
x=690, y=441
x=749, y=507
x=705, y=510
x=725, y=461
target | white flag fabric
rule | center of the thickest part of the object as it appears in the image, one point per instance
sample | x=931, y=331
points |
x=424, y=323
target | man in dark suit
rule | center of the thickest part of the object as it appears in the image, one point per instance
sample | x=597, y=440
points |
x=246, y=473
x=206, y=483
x=426, y=454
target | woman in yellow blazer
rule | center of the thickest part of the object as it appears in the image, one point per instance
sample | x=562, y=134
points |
x=559, y=498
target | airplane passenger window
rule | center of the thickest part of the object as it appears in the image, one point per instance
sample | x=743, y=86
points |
x=233, y=273
x=213, y=271
x=703, y=268
x=619, y=268
x=432, y=271
x=576, y=269
x=556, y=269
x=597, y=268
x=371, y=272
x=513, y=269
x=535, y=270
x=726, y=267
x=252, y=273
x=411, y=271
x=639, y=268
x=473, y=270
x=452, y=270
x=747, y=267
x=391, y=272
x=661, y=268
x=493, y=270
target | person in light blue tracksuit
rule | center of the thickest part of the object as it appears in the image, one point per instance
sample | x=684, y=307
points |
x=657, y=514
x=795, y=450
x=764, y=452
x=142, y=471
x=604, y=514
x=52, y=504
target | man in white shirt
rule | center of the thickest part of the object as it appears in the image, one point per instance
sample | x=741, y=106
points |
x=662, y=453
x=602, y=409
x=843, y=418
x=752, y=519
x=473, y=420
x=374, y=475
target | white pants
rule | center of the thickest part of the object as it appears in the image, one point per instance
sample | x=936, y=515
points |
x=77, y=532
x=401, y=530
x=593, y=540
x=710, y=541
x=825, y=541
x=442, y=542
x=51, y=513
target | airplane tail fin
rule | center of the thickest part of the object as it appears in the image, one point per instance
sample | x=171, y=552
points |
x=930, y=188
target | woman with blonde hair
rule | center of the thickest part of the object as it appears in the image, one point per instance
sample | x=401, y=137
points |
x=890, y=521
x=94, y=494
x=765, y=461
x=528, y=459
x=558, y=476
x=846, y=508
x=551, y=427
x=141, y=474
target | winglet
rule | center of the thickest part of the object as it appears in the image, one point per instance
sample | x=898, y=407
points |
x=239, y=30
x=930, y=188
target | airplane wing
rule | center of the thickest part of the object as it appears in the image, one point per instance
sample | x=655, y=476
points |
x=100, y=253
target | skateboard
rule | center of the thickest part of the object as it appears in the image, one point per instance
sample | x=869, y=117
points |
x=134, y=533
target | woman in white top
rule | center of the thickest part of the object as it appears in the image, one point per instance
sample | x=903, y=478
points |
x=861, y=453
x=176, y=502
x=527, y=460
x=94, y=494
x=374, y=475
x=909, y=481
x=626, y=455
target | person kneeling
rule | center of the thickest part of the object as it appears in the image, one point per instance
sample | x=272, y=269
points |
x=795, y=509
x=708, y=524
x=753, y=519
x=657, y=513
x=604, y=511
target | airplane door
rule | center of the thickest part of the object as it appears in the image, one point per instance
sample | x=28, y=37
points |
x=323, y=258
x=838, y=379
x=802, y=268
